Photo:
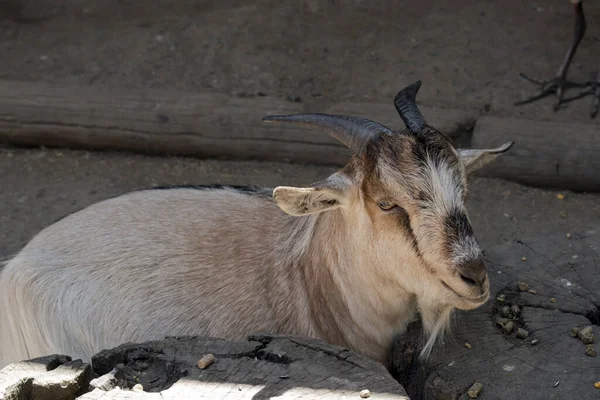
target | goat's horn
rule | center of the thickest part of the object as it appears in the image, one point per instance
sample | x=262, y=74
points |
x=354, y=132
x=406, y=106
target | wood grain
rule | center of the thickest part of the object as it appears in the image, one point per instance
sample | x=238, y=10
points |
x=545, y=154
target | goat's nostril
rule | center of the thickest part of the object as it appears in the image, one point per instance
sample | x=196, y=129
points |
x=468, y=280
x=473, y=273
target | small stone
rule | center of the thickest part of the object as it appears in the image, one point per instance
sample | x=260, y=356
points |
x=522, y=333
x=532, y=291
x=590, y=350
x=556, y=384
x=475, y=390
x=552, y=300
x=505, y=311
x=515, y=310
x=563, y=215
x=523, y=258
x=206, y=361
x=560, y=196
x=468, y=345
x=568, y=236
x=535, y=341
x=366, y=393
x=574, y=331
x=586, y=334
x=137, y=387
x=597, y=385
x=500, y=299
x=523, y=287
x=508, y=327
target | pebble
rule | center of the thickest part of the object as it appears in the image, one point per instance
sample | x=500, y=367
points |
x=206, y=361
x=365, y=393
x=535, y=341
x=522, y=333
x=501, y=298
x=590, y=350
x=475, y=390
x=468, y=345
x=586, y=334
x=523, y=258
x=137, y=387
x=552, y=300
x=560, y=196
x=556, y=384
x=505, y=311
x=508, y=327
x=532, y=291
x=515, y=310
x=568, y=236
x=523, y=287
x=574, y=331
x=597, y=385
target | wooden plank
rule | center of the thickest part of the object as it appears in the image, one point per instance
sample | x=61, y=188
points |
x=545, y=154
x=158, y=122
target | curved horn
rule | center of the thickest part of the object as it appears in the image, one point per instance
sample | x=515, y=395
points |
x=406, y=106
x=354, y=132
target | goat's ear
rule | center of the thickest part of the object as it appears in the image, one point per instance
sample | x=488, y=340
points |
x=474, y=159
x=326, y=195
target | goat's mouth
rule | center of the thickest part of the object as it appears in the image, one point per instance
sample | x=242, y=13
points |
x=480, y=299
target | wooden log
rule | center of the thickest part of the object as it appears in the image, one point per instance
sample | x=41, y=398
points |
x=564, y=275
x=177, y=123
x=546, y=154
x=158, y=122
x=263, y=367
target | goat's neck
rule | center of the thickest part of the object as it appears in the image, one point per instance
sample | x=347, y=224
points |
x=350, y=297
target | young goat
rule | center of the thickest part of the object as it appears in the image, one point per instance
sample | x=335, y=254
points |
x=350, y=260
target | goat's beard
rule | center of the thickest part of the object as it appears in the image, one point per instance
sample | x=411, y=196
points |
x=436, y=322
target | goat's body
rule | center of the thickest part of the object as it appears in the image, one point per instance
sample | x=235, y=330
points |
x=221, y=263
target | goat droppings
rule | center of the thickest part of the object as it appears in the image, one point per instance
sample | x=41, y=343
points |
x=590, y=350
x=475, y=390
x=206, y=361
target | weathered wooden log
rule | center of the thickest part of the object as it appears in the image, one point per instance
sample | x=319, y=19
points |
x=545, y=154
x=176, y=123
x=559, y=280
x=55, y=377
x=261, y=368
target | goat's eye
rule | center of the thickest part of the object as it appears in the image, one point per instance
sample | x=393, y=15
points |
x=386, y=205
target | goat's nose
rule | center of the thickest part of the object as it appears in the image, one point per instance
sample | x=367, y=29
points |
x=473, y=272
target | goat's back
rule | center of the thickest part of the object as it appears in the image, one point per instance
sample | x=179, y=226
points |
x=139, y=267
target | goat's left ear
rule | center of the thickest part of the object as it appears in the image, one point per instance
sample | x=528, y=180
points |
x=325, y=195
x=477, y=158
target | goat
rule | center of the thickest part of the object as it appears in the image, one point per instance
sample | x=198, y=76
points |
x=350, y=260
